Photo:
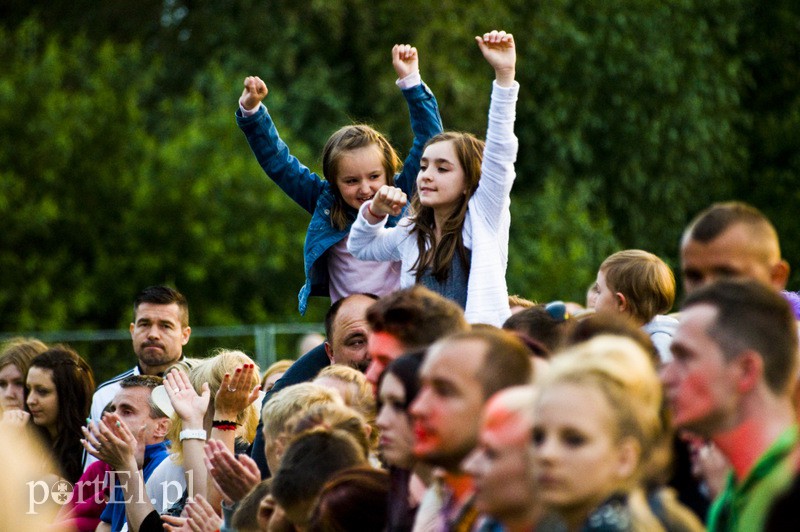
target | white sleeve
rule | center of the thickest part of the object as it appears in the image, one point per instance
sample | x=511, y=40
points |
x=499, y=156
x=375, y=241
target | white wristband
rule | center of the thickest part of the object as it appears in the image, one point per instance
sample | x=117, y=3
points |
x=196, y=434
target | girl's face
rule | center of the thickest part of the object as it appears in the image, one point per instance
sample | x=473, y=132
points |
x=440, y=182
x=397, y=438
x=43, y=399
x=12, y=388
x=360, y=173
x=578, y=462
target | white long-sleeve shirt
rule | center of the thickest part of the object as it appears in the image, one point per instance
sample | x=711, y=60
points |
x=486, y=225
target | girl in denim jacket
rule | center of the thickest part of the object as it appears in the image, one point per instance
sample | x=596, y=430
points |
x=356, y=162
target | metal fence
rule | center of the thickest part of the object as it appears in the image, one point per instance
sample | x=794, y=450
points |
x=264, y=336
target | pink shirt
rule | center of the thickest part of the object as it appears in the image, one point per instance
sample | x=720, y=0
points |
x=348, y=275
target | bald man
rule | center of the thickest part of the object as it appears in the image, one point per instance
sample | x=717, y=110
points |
x=732, y=240
x=502, y=465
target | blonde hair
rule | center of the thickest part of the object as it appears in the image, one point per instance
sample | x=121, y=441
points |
x=277, y=367
x=645, y=280
x=359, y=395
x=211, y=371
x=289, y=401
x=335, y=417
x=624, y=374
x=516, y=300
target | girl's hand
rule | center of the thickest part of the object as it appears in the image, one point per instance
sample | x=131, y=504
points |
x=234, y=394
x=405, y=60
x=499, y=50
x=388, y=200
x=187, y=404
x=254, y=91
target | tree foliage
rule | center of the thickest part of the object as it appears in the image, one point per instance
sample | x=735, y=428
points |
x=121, y=164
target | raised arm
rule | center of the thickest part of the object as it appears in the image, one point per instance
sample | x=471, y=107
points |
x=500, y=52
x=423, y=111
x=255, y=90
x=294, y=178
x=191, y=408
x=491, y=199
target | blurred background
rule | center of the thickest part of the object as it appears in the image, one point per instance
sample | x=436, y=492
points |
x=121, y=165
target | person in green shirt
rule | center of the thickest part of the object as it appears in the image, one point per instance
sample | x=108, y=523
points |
x=730, y=382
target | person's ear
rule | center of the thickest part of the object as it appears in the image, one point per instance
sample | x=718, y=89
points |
x=779, y=274
x=749, y=367
x=329, y=351
x=629, y=452
x=622, y=302
x=162, y=427
x=186, y=332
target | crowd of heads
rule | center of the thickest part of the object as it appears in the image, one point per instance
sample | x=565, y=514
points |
x=556, y=419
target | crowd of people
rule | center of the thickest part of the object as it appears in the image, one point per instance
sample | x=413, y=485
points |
x=435, y=401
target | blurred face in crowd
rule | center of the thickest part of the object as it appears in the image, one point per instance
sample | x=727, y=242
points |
x=737, y=252
x=383, y=348
x=12, y=388
x=446, y=412
x=158, y=336
x=43, y=399
x=397, y=437
x=699, y=383
x=502, y=463
x=577, y=458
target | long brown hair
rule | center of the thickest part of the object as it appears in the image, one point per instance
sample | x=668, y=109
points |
x=352, y=138
x=439, y=255
x=73, y=381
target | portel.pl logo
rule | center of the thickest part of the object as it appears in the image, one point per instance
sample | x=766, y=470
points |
x=62, y=492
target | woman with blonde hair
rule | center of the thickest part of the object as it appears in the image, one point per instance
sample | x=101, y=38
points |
x=232, y=379
x=356, y=391
x=596, y=426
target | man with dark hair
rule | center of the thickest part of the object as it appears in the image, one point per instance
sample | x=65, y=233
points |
x=459, y=374
x=133, y=405
x=735, y=362
x=159, y=330
x=409, y=320
x=731, y=239
x=346, y=330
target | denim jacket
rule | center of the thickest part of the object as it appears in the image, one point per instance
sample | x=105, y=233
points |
x=314, y=194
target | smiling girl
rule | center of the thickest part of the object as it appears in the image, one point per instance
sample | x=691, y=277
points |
x=356, y=162
x=455, y=240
